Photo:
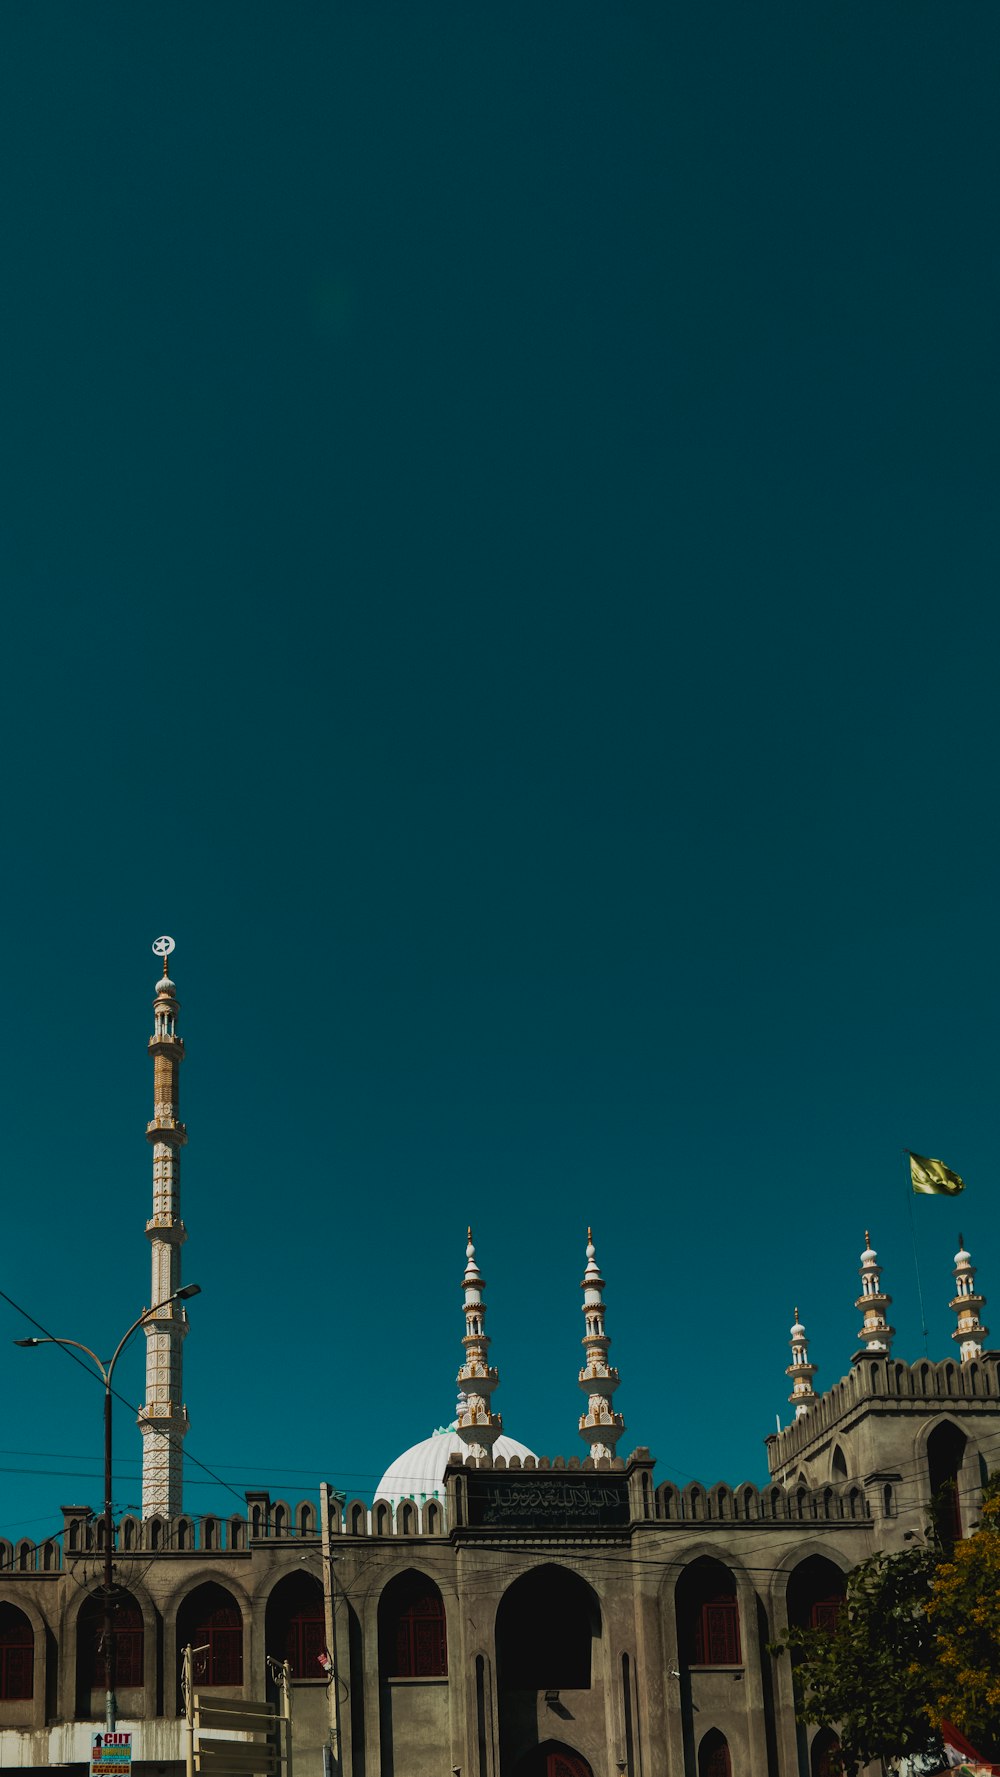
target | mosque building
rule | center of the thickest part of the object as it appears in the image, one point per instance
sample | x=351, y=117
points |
x=494, y=1612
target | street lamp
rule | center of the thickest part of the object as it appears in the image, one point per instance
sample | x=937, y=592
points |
x=107, y=1371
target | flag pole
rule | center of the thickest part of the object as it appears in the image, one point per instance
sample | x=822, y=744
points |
x=913, y=1238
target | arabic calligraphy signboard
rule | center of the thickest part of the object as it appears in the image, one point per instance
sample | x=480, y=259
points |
x=559, y=1500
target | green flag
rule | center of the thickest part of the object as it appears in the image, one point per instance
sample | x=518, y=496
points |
x=931, y=1178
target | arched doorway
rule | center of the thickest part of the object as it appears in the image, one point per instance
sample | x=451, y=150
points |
x=548, y=1647
x=945, y=1455
x=552, y=1759
x=821, y=1754
x=713, y=1755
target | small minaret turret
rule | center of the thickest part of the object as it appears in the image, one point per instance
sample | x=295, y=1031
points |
x=600, y=1426
x=476, y=1425
x=803, y=1395
x=876, y=1333
x=970, y=1331
x=163, y=1418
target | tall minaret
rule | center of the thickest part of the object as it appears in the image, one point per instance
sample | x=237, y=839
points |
x=477, y=1426
x=801, y=1371
x=600, y=1426
x=163, y=1418
x=970, y=1331
x=876, y=1332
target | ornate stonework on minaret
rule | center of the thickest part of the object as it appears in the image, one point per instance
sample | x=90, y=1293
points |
x=876, y=1332
x=600, y=1426
x=476, y=1425
x=801, y=1371
x=163, y=1417
x=966, y=1303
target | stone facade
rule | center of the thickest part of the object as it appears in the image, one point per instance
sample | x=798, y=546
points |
x=535, y=1607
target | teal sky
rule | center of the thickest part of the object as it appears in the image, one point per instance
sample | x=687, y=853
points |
x=499, y=530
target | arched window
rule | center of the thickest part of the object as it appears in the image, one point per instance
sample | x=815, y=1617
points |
x=126, y=1645
x=708, y=1615
x=432, y=1517
x=17, y=1655
x=945, y=1455
x=294, y=1628
x=838, y=1464
x=210, y=1619
x=413, y=1641
x=815, y=1594
x=713, y=1756
x=545, y=1629
x=821, y=1754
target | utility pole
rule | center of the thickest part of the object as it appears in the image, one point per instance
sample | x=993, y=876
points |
x=329, y=1619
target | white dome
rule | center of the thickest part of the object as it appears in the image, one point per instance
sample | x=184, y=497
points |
x=419, y=1473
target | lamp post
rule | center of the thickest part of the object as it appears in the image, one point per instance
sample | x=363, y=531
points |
x=107, y=1371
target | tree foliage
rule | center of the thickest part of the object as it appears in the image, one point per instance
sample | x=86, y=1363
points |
x=867, y=1677
x=963, y=1612
x=917, y=1645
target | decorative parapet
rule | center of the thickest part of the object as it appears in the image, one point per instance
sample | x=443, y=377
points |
x=887, y=1380
x=729, y=1507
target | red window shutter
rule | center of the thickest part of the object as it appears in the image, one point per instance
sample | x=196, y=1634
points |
x=17, y=1669
x=720, y=1633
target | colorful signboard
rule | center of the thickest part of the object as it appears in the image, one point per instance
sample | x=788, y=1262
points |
x=110, y=1755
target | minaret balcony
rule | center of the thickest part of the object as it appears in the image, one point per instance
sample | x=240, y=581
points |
x=163, y=1416
x=478, y=1373
x=604, y=1380
x=167, y=1228
x=596, y=1429
x=165, y=1045
x=169, y=1129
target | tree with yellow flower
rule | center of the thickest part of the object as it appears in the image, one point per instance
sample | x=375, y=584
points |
x=963, y=1610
